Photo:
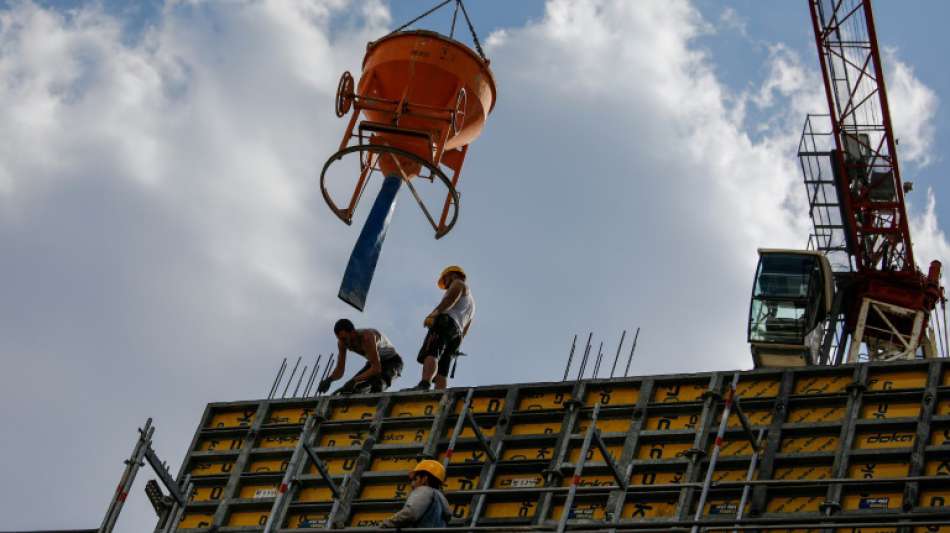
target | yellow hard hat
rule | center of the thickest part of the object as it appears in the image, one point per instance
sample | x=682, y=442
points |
x=448, y=270
x=432, y=467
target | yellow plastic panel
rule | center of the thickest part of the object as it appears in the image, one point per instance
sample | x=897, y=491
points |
x=411, y=408
x=352, y=411
x=258, y=490
x=267, y=465
x=934, y=498
x=670, y=422
x=207, y=493
x=678, y=392
x=593, y=454
x=288, y=415
x=873, y=501
x=336, y=465
x=537, y=400
x=940, y=436
x=612, y=395
x=219, y=444
x=386, y=491
x=605, y=425
x=798, y=415
x=393, y=463
x=940, y=467
x=723, y=507
x=583, y=510
x=758, y=418
x=809, y=444
x=532, y=453
x=802, y=472
x=825, y=384
x=343, y=438
x=757, y=388
x=247, y=518
x=308, y=519
x=195, y=519
x=551, y=427
x=233, y=418
x=467, y=455
x=211, y=468
x=463, y=482
x=468, y=432
x=285, y=440
x=884, y=410
x=641, y=509
x=883, y=439
x=516, y=509
x=794, y=504
x=403, y=436
x=876, y=470
x=314, y=493
x=663, y=450
x=518, y=481
x=656, y=478
x=881, y=381
x=735, y=447
x=482, y=404
x=369, y=519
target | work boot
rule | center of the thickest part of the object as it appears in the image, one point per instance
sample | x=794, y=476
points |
x=423, y=385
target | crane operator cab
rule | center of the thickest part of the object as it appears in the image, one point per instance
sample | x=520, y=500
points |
x=791, y=297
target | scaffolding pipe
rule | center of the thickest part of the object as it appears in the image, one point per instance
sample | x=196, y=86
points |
x=717, y=446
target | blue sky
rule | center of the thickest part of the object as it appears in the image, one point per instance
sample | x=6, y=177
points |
x=165, y=244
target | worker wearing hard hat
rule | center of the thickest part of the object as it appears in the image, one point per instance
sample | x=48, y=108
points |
x=426, y=506
x=383, y=363
x=448, y=324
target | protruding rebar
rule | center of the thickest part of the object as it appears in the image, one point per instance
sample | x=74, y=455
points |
x=616, y=357
x=632, y=349
x=600, y=355
x=291, y=378
x=570, y=356
x=313, y=376
x=580, y=372
x=299, y=381
x=280, y=372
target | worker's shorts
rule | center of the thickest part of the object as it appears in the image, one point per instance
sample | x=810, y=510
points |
x=442, y=342
x=392, y=367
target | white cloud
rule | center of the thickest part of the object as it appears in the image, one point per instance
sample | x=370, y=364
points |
x=913, y=107
x=731, y=19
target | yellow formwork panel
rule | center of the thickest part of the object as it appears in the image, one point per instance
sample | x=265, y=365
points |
x=748, y=389
x=211, y=468
x=460, y=509
x=217, y=444
x=678, y=392
x=736, y=446
x=481, y=404
x=794, y=504
x=403, y=436
x=612, y=395
x=656, y=478
x=538, y=400
x=731, y=474
x=412, y=408
x=671, y=422
x=396, y=490
x=247, y=518
x=461, y=482
x=466, y=456
x=946, y=377
x=883, y=439
x=931, y=529
x=809, y=444
x=943, y=407
x=899, y=380
x=940, y=467
x=518, y=481
x=195, y=519
x=307, y=519
x=823, y=384
x=336, y=465
x=591, y=481
x=815, y=414
x=285, y=440
x=512, y=509
x=885, y=410
x=258, y=466
x=662, y=450
x=723, y=507
x=934, y=498
x=583, y=510
x=643, y=509
x=605, y=425
x=468, y=432
x=207, y=493
x=940, y=436
x=352, y=411
x=802, y=472
x=873, y=501
x=393, y=463
x=343, y=438
x=369, y=519
x=551, y=427
x=241, y=418
x=876, y=470
x=314, y=494
x=288, y=415
x=254, y=491
x=593, y=454
x=527, y=453
x=757, y=418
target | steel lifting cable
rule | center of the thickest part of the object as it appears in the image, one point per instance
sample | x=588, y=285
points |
x=468, y=22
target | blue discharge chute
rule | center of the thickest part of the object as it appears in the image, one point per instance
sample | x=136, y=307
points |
x=362, y=265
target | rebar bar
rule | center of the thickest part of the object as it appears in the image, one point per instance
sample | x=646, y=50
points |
x=291, y=378
x=616, y=357
x=570, y=356
x=632, y=349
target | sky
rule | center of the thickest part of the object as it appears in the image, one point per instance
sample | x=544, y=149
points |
x=164, y=243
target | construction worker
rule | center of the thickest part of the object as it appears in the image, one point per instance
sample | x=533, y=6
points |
x=382, y=361
x=426, y=506
x=448, y=324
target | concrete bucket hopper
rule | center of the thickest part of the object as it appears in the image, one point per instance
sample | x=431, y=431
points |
x=421, y=99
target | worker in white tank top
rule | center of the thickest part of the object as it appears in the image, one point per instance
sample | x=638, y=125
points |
x=448, y=324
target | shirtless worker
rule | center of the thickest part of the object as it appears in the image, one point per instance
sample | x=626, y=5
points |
x=382, y=361
x=448, y=324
